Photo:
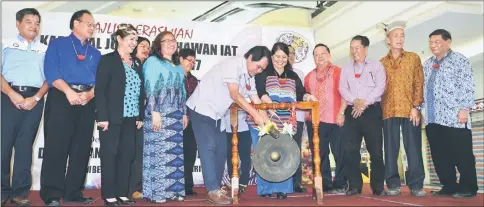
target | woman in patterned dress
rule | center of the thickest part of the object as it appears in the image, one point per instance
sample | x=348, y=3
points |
x=165, y=119
x=278, y=83
x=119, y=107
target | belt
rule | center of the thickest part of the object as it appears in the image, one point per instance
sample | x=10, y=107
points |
x=80, y=88
x=24, y=88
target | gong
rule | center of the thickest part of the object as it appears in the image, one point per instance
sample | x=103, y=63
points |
x=276, y=160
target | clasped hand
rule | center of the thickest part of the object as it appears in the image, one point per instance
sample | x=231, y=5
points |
x=359, y=107
x=81, y=98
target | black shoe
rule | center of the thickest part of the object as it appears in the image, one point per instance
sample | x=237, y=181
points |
x=464, y=195
x=190, y=193
x=281, y=195
x=79, y=200
x=53, y=202
x=441, y=193
x=242, y=189
x=266, y=195
x=379, y=192
x=126, y=202
x=353, y=192
x=114, y=203
x=300, y=189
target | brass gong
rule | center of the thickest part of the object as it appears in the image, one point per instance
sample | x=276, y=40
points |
x=276, y=160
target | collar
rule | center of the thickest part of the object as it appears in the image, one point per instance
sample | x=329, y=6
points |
x=390, y=56
x=364, y=62
x=327, y=66
x=76, y=40
x=22, y=39
x=448, y=53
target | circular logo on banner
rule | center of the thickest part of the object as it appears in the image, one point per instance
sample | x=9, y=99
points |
x=298, y=42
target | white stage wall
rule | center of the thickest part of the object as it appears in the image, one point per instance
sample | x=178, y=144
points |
x=212, y=42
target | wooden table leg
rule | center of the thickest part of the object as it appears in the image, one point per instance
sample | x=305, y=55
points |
x=235, y=155
x=318, y=180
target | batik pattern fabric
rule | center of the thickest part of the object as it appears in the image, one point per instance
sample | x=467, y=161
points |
x=278, y=92
x=163, y=175
x=448, y=88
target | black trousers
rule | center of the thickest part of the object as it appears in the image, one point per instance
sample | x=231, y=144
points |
x=412, y=140
x=19, y=129
x=329, y=134
x=118, y=146
x=369, y=126
x=68, y=131
x=450, y=148
x=189, y=155
x=136, y=178
x=244, y=146
x=297, y=177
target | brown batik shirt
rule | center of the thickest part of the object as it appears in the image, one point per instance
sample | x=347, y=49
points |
x=404, y=84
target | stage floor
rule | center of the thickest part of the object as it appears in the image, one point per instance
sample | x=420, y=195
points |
x=302, y=199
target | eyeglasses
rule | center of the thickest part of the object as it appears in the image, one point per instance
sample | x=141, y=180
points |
x=169, y=40
x=89, y=24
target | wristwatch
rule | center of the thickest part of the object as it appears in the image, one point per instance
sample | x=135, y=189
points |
x=418, y=108
x=36, y=98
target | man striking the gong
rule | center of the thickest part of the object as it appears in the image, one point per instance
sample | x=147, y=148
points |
x=211, y=100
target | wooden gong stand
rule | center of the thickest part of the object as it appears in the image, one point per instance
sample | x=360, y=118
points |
x=314, y=107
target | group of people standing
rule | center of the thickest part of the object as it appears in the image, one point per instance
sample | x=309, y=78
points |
x=153, y=114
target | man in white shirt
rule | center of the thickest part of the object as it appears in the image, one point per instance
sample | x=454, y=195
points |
x=207, y=106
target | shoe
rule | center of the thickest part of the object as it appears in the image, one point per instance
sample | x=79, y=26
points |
x=53, y=202
x=281, y=195
x=190, y=193
x=441, y=193
x=79, y=200
x=393, y=191
x=353, y=192
x=338, y=191
x=137, y=195
x=300, y=189
x=158, y=201
x=113, y=203
x=125, y=201
x=464, y=195
x=218, y=197
x=242, y=189
x=418, y=192
x=177, y=198
x=380, y=192
x=19, y=201
x=266, y=195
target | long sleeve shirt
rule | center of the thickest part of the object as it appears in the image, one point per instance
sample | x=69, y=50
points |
x=324, y=85
x=404, y=85
x=363, y=81
x=448, y=89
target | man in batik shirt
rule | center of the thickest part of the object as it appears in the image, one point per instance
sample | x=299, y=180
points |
x=401, y=108
x=449, y=93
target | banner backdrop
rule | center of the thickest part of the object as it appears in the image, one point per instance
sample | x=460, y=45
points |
x=212, y=42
